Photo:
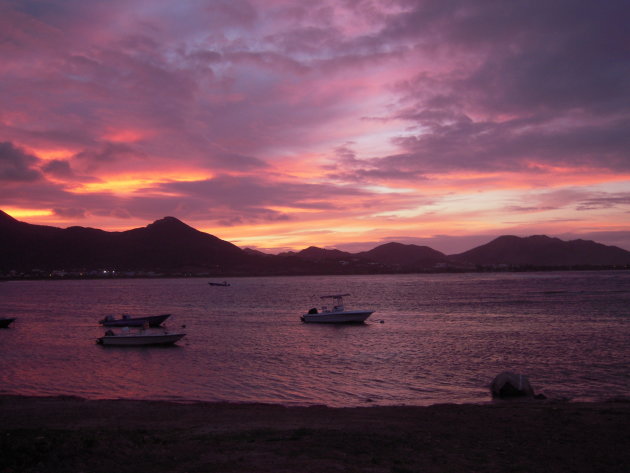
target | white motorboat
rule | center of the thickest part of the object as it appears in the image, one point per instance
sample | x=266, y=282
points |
x=143, y=337
x=337, y=314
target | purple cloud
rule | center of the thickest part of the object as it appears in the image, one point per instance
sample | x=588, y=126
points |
x=16, y=166
x=58, y=168
x=304, y=104
x=528, y=81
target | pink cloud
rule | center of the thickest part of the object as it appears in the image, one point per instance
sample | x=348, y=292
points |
x=385, y=104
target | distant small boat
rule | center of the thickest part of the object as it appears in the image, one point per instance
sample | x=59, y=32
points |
x=224, y=283
x=127, y=321
x=141, y=338
x=337, y=314
x=5, y=322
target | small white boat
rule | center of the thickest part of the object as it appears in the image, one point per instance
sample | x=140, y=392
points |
x=143, y=337
x=337, y=314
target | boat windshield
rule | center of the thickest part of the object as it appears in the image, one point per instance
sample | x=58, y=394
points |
x=337, y=302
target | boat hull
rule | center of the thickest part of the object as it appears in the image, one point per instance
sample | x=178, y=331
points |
x=5, y=322
x=140, y=340
x=346, y=317
x=152, y=321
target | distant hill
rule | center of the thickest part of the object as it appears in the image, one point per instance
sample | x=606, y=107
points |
x=389, y=257
x=543, y=251
x=169, y=246
x=175, y=244
x=314, y=253
x=405, y=256
x=251, y=251
x=166, y=244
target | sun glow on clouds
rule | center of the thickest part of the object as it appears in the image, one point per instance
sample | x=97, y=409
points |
x=476, y=182
x=126, y=136
x=50, y=154
x=115, y=186
x=294, y=124
x=27, y=213
x=293, y=210
x=329, y=233
x=131, y=184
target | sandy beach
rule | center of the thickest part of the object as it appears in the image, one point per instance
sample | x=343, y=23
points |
x=69, y=434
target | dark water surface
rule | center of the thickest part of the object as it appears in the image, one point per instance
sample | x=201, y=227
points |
x=443, y=338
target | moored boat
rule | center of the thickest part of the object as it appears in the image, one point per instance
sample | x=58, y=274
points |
x=337, y=314
x=141, y=338
x=224, y=283
x=127, y=321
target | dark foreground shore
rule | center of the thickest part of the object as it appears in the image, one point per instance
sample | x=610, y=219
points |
x=63, y=434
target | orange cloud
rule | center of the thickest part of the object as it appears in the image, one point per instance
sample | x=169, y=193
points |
x=126, y=135
x=130, y=183
x=47, y=154
x=20, y=213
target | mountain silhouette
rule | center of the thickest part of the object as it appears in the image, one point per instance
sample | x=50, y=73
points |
x=166, y=244
x=405, y=256
x=543, y=251
x=169, y=246
x=320, y=254
x=169, y=243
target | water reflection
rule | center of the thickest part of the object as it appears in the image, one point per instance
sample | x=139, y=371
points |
x=444, y=337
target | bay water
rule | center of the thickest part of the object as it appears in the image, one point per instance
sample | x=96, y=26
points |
x=433, y=338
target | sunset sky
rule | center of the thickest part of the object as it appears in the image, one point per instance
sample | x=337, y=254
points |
x=278, y=124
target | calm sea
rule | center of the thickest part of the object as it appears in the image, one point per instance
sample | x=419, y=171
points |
x=432, y=338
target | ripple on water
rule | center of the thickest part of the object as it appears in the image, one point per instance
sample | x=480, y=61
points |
x=443, y=339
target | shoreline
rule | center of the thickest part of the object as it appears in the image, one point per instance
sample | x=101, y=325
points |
x=66, y=433
x=485, y=270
